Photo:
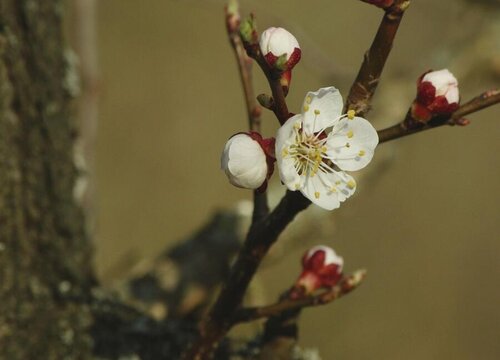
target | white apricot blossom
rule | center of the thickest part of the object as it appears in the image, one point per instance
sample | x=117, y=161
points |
x=315, y=147
x=244, y=162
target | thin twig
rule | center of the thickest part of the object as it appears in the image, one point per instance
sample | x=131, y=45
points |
x=347, y=284
x=279, y=106
x=244, y=66
x=260, y=202
x=260, y=238
x=486, y=99
x=375, y=58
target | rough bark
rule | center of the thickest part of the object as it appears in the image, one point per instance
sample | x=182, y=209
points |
x=44, y=252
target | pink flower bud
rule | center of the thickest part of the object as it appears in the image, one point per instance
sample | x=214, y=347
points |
x=437, y=94
x=321, y=268
x=248, y=160
x=276, y=42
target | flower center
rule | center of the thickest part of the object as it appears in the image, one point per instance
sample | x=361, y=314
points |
x=308, y=152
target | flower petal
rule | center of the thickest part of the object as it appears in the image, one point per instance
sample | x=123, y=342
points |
x=351, y=143
x=328, y=190
x=452, y=95
x=321, y=109
x=289, y=175
x=244, y=162
x=286, y=165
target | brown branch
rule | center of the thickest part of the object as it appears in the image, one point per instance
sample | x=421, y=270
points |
x=375, y=58
x=347, y=284
x=259, y=239
x=278, y=102
x=486, y=99
x=261, y=207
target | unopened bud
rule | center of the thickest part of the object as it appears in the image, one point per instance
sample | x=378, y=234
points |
x=321, y=268
x=437, y=94
x=246, y=160
x=265, y=101
x=280, y=48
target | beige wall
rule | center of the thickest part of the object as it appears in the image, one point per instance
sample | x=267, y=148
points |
x=425, y=221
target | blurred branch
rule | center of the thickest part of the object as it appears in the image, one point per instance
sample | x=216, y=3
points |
x=486, y=99
x=261, y=207
x=375, y=58
x=181, y=282
x=259, y=239
x=345, y=286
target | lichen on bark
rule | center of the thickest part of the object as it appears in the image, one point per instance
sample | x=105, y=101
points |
x=44, y=251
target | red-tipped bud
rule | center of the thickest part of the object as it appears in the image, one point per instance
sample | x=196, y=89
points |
x=321, y=268
x=248, y=160
x=437, y=94
x=280, y=48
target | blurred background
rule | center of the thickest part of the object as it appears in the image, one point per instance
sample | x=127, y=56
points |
x=425, y=220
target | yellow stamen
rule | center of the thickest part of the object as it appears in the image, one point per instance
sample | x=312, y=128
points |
x=350, y=134
x=316, y=112
x=316, y=195
x=351, y=184
x=361, y=152
x=308, y=100
x=333, y=189
x=347, y=145
x=284, y=152
x=351, y=114
x=306, y=107
x=338, y=182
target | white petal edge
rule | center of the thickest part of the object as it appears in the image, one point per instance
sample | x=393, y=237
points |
x=351, y=143
x=321, y=109
x=285, y=137
x=328, y=190
x=452, y=95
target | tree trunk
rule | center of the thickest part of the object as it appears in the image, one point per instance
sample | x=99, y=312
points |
x=44, y=252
